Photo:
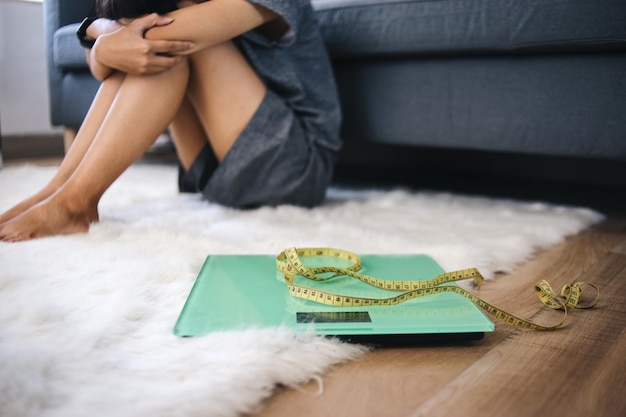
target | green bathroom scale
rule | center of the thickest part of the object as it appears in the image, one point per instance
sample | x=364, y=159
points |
x=236, y=292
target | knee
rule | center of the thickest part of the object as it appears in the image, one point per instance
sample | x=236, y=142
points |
x=216, y=53
x=180, y=71
x=180, y=68
x=116, y=78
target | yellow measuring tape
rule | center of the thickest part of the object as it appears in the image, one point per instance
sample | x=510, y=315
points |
x=290, y=264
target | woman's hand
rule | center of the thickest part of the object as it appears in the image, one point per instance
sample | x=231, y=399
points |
x=127, y=50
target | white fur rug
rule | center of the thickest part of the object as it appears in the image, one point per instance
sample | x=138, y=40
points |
x=86, y=320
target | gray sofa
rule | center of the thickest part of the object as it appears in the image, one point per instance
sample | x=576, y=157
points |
x=501, y=77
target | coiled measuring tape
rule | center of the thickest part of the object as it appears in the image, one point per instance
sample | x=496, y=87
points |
x=290, y=264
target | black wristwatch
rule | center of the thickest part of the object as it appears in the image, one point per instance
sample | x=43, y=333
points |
x=81, y=33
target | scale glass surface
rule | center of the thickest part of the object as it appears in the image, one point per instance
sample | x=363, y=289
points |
x=235, y=292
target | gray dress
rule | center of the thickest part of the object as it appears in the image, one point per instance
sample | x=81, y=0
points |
x=287, y=152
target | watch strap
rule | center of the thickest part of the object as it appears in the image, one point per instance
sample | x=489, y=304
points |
x=81, y=33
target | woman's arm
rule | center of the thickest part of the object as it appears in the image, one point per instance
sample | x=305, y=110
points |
x=99, y=71
x=124, y=47
x=212, y=22
x=152, y=43
x=102, y=27
x=97, y=28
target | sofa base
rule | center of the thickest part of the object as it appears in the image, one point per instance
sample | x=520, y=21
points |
x=459, y=169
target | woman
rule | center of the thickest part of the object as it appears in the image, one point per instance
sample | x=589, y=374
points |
x=245, y=87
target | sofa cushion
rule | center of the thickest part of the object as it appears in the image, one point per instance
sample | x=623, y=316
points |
x=362, y=28
x=372, y=27
x=67, y=53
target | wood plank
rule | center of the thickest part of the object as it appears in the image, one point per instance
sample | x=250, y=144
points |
x=398, y=382
x=29, y=148
x=546, y=373
x=604, y=386
x=620, y=248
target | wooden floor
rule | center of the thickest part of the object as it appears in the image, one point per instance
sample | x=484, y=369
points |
x=579, y=370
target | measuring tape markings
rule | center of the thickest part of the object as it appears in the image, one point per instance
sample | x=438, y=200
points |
x=290, y=264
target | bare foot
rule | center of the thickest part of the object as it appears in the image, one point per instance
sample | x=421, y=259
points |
x=48, y=218
x=24, y=205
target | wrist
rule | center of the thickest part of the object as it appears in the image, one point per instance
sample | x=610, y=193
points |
x=91, y=30
x=102, y=26
x=82, y=33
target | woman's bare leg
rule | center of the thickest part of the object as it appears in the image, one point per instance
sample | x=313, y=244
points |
x=141, y=110
x=224, y=92
x=188, y=134
x=97, y=112
x=222, y=88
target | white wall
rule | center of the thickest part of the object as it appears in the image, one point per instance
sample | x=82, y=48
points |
x=24, y=107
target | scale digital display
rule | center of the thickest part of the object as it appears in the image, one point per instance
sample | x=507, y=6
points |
x=334, y=317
